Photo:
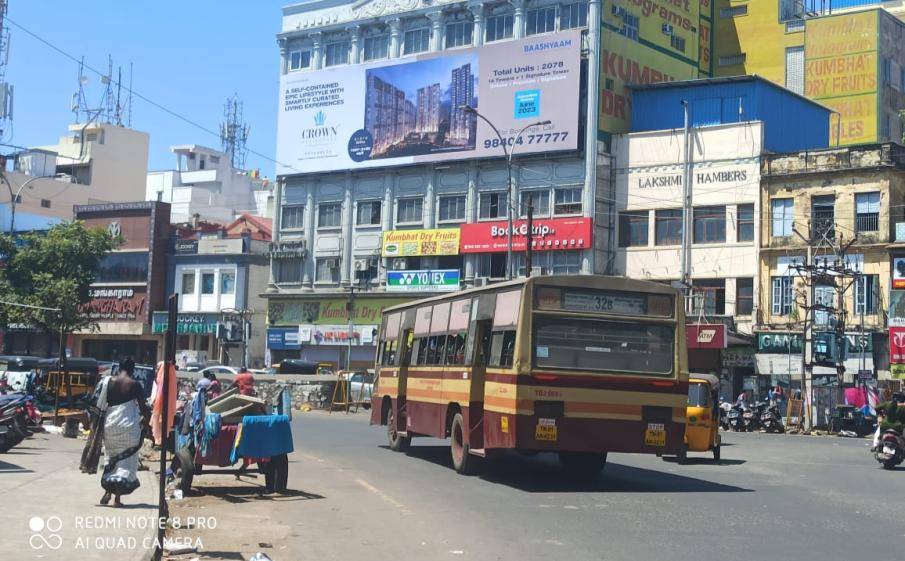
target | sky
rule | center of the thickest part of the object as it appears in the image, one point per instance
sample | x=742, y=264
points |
x=189, y=56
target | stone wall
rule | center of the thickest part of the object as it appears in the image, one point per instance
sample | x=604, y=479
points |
x=268, y=390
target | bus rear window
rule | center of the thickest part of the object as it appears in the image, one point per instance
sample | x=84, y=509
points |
x=601, y=345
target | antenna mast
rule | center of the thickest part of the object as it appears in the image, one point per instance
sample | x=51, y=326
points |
x=6, y=90
x=234, y=132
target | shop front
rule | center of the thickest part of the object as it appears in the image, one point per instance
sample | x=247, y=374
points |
x=196, y=335
x=317, y=329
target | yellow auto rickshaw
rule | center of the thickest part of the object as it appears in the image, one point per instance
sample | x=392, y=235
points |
x=702, y=416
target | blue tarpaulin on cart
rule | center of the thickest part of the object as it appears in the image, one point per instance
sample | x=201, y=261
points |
x=262, y=436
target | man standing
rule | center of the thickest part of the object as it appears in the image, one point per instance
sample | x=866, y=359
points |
x=245, y=382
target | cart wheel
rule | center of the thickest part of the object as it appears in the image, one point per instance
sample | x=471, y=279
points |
x=280, y=472
x=184, y=470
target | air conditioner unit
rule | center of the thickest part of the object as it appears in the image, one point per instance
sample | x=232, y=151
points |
x=667, y=29
x=481, y=281
x=539, y=271
x=399, y=264
x=361, y=265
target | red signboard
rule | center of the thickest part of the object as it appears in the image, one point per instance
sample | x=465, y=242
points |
x=549, y=234
x=706, y=336
x=897, y=345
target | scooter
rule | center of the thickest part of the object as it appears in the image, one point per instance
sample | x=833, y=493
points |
x=770, y=418
x=734, y=419
x=13, y=425
x=889, y=448
x=724, y=410
x=750, y=419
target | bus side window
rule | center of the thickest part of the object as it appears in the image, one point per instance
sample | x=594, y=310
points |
x=502, y=348
x=419, y=349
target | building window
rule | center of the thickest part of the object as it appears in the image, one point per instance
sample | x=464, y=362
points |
x=493, y=205
x=795, y=69
x=292, y=217
x=368, y=213
x=207, y=283
x=867, y=294
x=299, y=60
x=451, y=208
x=498, y=28
x=567, y=201
x=633, y=228
x=823, y=217
x=887, y=71
x=541, y=20
x=668, y=227
x=709, y=224
x=376, y=47
x=745, y=223
x=188, y=283
x=416, y=41
x=709, y=296
x=337, y=53
x=782, y=295
x=458, y=34
x=791, y=10
x=409, y=210
x=329, y=215
x=867, y=212
x=45, y=203
x=781, y=213
x=566, y=262
x=491, y=265
x=574, y=15
x=744, y=297
x=733, y=11
x=327, y=269
x=732, y=60
x=630, y=24
x=289, y=270
x=677, y=42
x=794, y=26
x=540, y=200
x=227, y=283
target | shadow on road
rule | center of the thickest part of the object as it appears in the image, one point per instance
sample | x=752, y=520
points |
x=541, y=474
x=6, y=467
x=254, y=493
x=704, y=461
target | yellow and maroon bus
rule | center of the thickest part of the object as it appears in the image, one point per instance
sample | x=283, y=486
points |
x=580, y=365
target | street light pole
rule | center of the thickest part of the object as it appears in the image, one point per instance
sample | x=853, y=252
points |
x=508, y=155
x=14, y=197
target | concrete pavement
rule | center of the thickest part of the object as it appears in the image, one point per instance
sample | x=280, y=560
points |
x=772, y=497
x=50, y=509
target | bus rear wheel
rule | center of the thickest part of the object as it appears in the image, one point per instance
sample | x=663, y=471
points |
x=463, y=462
x=583, y=466
x=397, y=442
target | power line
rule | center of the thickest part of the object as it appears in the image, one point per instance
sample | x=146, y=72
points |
x=140, y=96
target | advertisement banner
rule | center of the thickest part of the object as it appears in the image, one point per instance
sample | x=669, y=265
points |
x=897, y=371
x=670, y=26
x=411, y=110
x=115, y=304
x=339, y=334
x=778, y=343
x=704, y=46
x=445, y=280
x=186, y=324
x=326, y=311
x=897, y=345
x=416, y=243
x=841, y=71
x=897, y=308
x=549, y=234
x=898, y=272
x=706, y=336
x=624, y=61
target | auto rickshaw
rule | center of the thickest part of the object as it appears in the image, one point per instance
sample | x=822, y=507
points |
x=702, y=416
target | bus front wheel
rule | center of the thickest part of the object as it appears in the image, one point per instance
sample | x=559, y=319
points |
x=463, y=462
x=398, y=443
x=582, y=466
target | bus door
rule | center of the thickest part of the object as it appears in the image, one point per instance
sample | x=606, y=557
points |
x=404, y=359
x=478, y=355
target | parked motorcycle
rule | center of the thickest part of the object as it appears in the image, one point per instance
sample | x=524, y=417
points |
x=734, y=419
x=890, y=448
x=770, y=419
x=750, y=419
x=13, y=424
x=724, y=410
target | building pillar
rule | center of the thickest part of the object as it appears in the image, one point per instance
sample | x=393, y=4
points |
x=308, y=264
x=277, y=225
x=317, y=51
x=284, y=58
x=589, y=196
x=477, y=12
x=518, y=19
x=395, y=25
x=436, y=19
x=354, y=43
x=387, y=223
x=430, y=220
x=471, y=205
x=346, y=267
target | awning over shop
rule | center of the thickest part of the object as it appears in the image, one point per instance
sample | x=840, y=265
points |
x=775, y=364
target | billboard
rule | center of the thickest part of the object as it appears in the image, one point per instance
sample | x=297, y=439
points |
x=705, y=336
x=898, y=272
x=841, y=71
x=548, y=234
x=897, y=345
x=410, y=110
x=416, y=243
x=443, y=280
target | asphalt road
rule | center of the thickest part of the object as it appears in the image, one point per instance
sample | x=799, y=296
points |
x=773, y=497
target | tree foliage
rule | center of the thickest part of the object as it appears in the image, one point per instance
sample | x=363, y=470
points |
x=51, y=270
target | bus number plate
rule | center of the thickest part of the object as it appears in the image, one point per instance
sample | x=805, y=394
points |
x=545, y=430
x=655, y=435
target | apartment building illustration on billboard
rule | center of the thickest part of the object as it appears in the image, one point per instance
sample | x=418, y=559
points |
x=417, y=108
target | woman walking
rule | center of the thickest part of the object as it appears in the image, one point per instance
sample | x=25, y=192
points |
x=123, y=412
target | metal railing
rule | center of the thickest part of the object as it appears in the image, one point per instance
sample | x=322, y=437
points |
x=867, y=222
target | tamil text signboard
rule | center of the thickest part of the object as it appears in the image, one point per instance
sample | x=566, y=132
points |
x=412, y=110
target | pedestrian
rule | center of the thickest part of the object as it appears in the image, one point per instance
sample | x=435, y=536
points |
x=742, y=399
x=245, y=382
x=215, y=389
x=123, y=415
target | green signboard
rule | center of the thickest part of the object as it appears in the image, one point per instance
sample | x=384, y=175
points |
x=186, y=324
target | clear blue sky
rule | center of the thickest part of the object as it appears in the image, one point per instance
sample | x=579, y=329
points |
x=188, y=55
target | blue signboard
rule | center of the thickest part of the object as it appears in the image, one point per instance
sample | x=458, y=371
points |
x=283, y=339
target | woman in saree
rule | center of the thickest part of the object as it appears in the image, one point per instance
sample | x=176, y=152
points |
x=123, y=413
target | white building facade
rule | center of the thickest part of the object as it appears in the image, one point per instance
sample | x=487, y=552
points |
x=336, y=222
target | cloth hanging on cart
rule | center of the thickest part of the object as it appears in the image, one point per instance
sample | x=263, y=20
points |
x=262, y=436
x=211, y=431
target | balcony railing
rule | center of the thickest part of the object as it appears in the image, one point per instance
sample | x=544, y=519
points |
x=867, y=222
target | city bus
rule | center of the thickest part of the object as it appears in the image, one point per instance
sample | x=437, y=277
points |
x=579, y=365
